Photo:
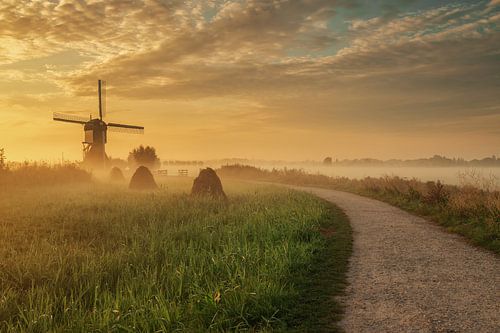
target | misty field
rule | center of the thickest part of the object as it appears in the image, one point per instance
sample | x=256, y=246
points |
x=90, y=257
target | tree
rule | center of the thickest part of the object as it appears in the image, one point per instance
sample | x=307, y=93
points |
x=2, y=158
x=327, y=161
x=144, y=156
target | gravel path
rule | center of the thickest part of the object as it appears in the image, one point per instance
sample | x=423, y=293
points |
x=408, y=275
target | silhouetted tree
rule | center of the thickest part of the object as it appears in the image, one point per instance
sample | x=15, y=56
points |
x=327, y=161
x=2, y=158
x=144, y=156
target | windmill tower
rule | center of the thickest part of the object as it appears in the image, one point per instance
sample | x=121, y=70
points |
x=95, y=130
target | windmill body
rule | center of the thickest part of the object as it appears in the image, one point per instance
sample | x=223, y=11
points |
x=95, y=131
x=94, y=142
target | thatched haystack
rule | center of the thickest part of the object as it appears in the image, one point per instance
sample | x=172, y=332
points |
x=142, y=180
x=116, y=175
x=208, y=183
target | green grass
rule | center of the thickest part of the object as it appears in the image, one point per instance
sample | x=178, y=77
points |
x=469, y=210
x=317, y=309
x=93, y=258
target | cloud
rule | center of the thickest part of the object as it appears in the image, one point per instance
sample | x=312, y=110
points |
x=101, y=28
x=494, y=3
x=240, y=32
x=243, y=50
x=398, y=69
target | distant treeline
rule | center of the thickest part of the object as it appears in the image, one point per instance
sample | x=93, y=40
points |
x=178, y=162
x=435, y=161
x=121, y=163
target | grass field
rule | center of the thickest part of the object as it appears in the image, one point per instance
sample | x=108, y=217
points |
x=472, y=209
x=96, y=258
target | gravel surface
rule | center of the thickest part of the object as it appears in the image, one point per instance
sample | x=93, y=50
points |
x=409, y=275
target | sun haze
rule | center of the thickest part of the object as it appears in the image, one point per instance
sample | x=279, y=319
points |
x=293, y=80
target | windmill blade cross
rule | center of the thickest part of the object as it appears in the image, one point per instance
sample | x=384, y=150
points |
x=68, y=118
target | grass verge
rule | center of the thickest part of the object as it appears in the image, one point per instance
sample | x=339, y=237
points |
x=470, y=210
x=318, y=308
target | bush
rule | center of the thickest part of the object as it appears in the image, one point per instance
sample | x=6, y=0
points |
x=2, y=159
x=144, y=156
x=436, y=193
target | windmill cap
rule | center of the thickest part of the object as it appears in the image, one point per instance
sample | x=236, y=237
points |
x=93, y=124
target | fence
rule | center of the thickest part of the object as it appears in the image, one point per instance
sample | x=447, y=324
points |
x=162, y=172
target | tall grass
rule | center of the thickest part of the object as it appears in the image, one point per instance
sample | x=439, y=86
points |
x=41, y=174
x=93, y=258
x=471, y=209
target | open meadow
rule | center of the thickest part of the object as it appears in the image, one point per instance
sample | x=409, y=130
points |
x=85, y=256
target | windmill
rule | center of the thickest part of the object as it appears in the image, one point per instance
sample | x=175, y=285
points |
x=95, y=130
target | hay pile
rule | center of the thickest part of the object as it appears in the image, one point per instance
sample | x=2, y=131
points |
x=142, y=180
x=116, y=175
x=208, y=183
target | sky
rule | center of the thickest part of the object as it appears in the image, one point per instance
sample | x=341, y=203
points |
x=273, y=79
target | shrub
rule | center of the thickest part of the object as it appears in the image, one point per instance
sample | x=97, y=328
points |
x=2, y=159
x=436, y=193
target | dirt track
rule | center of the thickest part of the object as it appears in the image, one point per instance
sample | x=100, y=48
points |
x=409, y=275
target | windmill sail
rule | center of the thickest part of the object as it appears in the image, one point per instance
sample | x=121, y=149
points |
x=103, y=102
x=69, y=118
x=114, y=127
x=101, y=92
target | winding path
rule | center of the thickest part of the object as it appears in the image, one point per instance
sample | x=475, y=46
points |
x=409, y=275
